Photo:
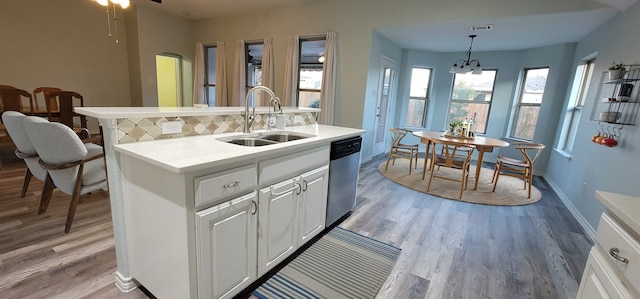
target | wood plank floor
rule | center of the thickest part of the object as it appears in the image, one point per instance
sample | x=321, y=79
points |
x=450, y=249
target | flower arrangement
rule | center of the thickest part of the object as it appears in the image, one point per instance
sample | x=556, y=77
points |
x=616, y=66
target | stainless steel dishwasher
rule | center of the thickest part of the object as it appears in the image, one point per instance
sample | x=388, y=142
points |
x=343, y=178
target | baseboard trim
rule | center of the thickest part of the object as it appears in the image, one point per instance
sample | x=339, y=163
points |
x=590, y=231
x=125, y=284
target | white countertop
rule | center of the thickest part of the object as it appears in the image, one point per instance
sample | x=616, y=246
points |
x=142, y=112
x=625, y=207
x=186, y=154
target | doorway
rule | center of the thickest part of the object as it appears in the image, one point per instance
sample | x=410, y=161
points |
x=169, y=78
x=385, y=90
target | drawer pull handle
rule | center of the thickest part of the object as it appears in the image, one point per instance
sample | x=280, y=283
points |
x=234, y=184
x=285, y=191
x=254, y=207
x=614, y=253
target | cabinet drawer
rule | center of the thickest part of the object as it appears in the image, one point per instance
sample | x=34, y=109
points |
x=219, y=186
x=292, y=165
x=611, y=236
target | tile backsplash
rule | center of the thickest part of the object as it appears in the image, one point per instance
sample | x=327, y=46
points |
x=147, y=129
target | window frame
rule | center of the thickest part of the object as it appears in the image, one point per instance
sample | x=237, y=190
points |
x=299, y=90
x=518, y=105
x=425, y=99
x=207, y=83
x=452, y=100
x=575, y=105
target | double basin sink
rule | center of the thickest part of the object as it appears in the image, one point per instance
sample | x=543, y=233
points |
x=265, y=138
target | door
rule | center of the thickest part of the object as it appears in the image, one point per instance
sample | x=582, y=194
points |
x=277, y=220
x=227, y=247
x=383, y=105
x=169, y=80
x=313, y=203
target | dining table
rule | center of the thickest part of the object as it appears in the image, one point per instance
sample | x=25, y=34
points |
x=482, y=145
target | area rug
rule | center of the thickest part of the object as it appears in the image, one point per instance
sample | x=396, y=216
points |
x=341, y=264
x=509, y=192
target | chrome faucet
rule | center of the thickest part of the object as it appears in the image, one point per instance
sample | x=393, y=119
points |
x=248, y=119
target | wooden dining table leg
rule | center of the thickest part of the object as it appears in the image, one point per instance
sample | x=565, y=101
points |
x=481, y=151
x=426, y=157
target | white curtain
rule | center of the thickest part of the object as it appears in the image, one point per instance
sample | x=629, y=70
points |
x=291, y=72
x=329, y=73
x=221, y=75
x=198, y=80
x=240, y=77
x=267, y=67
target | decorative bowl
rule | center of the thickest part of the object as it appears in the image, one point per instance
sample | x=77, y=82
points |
x=610, y=116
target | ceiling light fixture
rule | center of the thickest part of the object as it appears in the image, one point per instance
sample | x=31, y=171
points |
x=123, y=3
x=467, y=65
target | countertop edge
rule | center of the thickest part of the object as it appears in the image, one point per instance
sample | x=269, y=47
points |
x=142, y=112
x=624, y=207
x=154, y=152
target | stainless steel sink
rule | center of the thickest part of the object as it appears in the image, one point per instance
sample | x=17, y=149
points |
x=248, y=141
x=266, y=138
x=283, y=137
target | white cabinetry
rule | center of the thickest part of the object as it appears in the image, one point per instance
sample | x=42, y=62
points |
x=226, y=242
x=206, y=233
x=292, y=212
x=292, y=204
x=313, y=203
x=613, y=267
x=278, y=229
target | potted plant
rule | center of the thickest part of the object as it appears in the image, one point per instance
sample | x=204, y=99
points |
x=616, y=71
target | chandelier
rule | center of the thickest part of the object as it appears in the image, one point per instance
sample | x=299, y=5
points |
x=463, y=66
x=123, y=3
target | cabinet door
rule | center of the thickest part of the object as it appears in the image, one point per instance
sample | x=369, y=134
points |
x=599, y=280
x=226, y=247
x=313, y=203
x=277, y=223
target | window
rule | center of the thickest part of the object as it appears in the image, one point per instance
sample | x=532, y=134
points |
x=310, y=71
x=418, y=96
x=253, y=52
x=576, y=104
x=210, y=73
x=471, y=98
x=529, y=101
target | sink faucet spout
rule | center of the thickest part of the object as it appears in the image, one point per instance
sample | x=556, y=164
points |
x=248, y=119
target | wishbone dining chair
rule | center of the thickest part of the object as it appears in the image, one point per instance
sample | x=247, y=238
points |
x=401, y=150
x=454, y=156
x=522, y=169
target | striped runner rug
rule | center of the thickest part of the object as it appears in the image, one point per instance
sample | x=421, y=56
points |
x=341, y=264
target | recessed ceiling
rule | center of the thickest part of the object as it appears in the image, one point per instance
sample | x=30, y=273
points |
x=511, y=33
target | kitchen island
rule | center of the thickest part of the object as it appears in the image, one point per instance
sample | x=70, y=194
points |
x=168, y=196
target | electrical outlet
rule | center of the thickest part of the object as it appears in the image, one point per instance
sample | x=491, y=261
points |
x=171, y=127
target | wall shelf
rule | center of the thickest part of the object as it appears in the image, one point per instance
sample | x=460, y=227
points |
x=618, y=99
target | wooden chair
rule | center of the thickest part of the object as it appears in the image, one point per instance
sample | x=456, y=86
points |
x=49, y=105
x=400, y=150
x=66, y=101
x=518, y=168
x=14, y=99
x=75, y=168
x=451, y=156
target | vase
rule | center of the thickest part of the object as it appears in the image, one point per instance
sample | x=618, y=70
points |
x=616, y=74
